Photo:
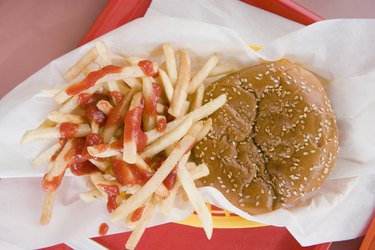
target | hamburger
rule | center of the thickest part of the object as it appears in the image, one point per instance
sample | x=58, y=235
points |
x=274, y=141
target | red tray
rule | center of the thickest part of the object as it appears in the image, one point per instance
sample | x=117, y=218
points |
x=172, y=236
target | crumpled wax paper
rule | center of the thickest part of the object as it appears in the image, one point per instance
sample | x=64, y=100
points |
x=338, y=50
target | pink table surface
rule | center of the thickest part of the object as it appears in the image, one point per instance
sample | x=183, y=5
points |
x=34, y=32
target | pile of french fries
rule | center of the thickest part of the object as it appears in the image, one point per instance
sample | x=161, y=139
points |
x=122, y=170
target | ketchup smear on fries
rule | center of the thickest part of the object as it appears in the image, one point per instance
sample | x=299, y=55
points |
x=132, y=127
x=147, y=67
x=134, y=152
x=91, y=79
x=67, y=130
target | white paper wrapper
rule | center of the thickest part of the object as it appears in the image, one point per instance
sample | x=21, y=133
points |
x=254, y=25
x=338, y=50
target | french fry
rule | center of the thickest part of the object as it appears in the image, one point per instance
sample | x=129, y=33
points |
x=97, y=179
x=77, y=68
x=129, y=220
x=137, y=199
x=207, y=126
x=127, y=72
x=196, y=173
x=69, y=105
x=208, y=108
x=103, y=150
x=60, y=163
x=133, y=82
x=130, y=189
x=199, y=171
x=195, y=129
x=52, y=133
x=130, y=147
x=190, y=165
x=72, y=102
x=222, y=69
x=162, y=192
x=133, y=60
x=167, y=85
x=109, y=177
x=90, y=196
x=161, y=109
x=60, y=117
x=123, y=87
x=103, y=57
x=105, y=60
x=136, y=101
x=196, y=115
x=49, y=200
x=102, y=165
x=104, y=106
x=166, y=205
x=170, y=61
x=90, y=68
x=203, y=73
x=168, y=139
x=182, y=83
x=185, y=108
x=115, y=117
x=53, y=177
x=169, y=149
x=44, y=158
x=198, y=96
x=52, y=91
x=195, y=199
x=141, y=226
x=161, y=119
x=47, y=124
x=149, y=120
x=62, y=97
x=141, y=164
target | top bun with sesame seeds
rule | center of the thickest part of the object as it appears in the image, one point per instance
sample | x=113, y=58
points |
x=274, y=140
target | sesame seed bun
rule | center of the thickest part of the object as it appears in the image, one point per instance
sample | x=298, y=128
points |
x=274, y=140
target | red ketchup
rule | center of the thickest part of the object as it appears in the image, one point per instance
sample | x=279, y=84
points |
x=103, y=229
x=67, y=130
x=88, y=102
x=137, y=214
x=112, y=191
x=78, y=157
x=116, y=95
x=147, y=67
x=170, y=180
x=53, y=184
x=91, y=79
x=152, y=102
x=128, y=174
x=117, y=145
x=116, y=114
x=132, y=128
x=161, y=124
